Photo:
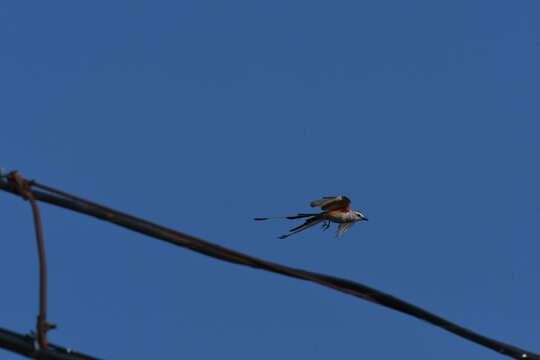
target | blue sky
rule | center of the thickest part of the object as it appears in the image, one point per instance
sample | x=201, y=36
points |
x=201, y=115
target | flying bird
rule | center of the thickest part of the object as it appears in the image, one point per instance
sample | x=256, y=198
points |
x=335, y=209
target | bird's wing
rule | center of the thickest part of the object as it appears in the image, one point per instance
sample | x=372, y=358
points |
x=309, y=223
x=343, y=228
x=332, y=203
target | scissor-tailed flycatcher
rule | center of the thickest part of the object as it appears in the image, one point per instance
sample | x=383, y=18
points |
x=336, y=209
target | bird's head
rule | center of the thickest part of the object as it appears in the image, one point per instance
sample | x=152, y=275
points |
x=360, y=216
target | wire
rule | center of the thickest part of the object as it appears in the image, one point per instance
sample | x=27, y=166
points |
x=27, y=346
x=71, y=202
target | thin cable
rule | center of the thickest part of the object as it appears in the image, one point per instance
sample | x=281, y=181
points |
x=74, y=203
x=25, y=346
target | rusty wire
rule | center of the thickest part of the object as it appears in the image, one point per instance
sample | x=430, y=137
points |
x=68, y=201
x=24, y=188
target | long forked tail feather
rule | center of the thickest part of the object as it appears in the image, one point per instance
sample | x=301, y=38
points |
x=309, y=223
x=299, y=216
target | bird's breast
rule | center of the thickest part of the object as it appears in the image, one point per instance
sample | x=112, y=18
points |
x=341, y=217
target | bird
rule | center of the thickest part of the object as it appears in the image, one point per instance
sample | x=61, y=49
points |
x=335, y=209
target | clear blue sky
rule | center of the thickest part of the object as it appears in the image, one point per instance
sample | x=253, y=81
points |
x=201, y=115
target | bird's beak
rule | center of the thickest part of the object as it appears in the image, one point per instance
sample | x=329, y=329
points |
x=366, y=219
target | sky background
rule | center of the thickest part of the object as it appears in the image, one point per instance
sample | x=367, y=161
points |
x=200, y=115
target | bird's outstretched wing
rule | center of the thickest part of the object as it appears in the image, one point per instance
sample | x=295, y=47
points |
x=343, y=228
x=329, y=203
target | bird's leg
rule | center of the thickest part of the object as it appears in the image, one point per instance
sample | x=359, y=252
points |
x=326, y=225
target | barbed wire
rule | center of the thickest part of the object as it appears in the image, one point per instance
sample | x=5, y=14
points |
x=74, y=203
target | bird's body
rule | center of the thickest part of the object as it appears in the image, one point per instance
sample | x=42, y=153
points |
x=336, y=209
x=342, y=216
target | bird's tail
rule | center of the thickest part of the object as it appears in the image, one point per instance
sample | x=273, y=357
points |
x=309, y=223
x=298, y=216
